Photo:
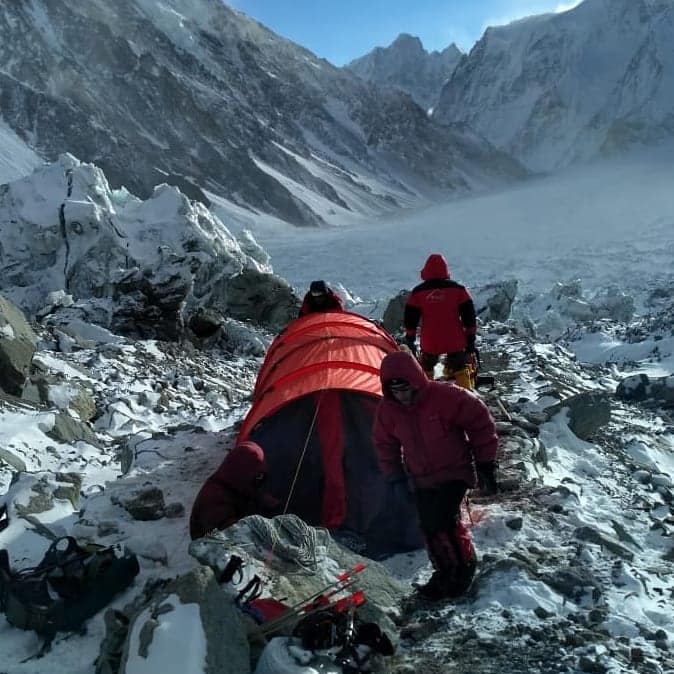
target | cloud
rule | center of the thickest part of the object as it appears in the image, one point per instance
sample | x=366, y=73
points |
x=566, y=6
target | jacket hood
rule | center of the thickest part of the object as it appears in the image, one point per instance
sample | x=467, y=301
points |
x=240, y=468
x=435, y=267
x=402, y=365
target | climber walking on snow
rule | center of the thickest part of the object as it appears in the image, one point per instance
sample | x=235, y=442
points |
x=438, y=440
x=448, y=324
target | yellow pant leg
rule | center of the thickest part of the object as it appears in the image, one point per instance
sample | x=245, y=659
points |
x=464, y=378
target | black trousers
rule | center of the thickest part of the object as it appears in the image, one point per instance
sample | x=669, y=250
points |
x=448, y=542
x=439, y=508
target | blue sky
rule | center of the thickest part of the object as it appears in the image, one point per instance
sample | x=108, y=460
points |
x=341, y=30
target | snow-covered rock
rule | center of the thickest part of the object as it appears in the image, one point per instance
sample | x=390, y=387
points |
x=150, y=633
x=65, y=234
x=494, y=301
x=554, y=313
x=640, y=387
x=556, y=88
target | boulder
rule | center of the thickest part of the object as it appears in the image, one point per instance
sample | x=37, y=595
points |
x=18, y=343
x=392, y=320
x=256, y=296
x=150, y=306
x=68, y=430
x=588, y=411
x=191, y=609
x=494, y=302
x=12, y=460
x=641, y=387
x=288, y=577
x=35, y=493
x=47, y=389
x=204, y=323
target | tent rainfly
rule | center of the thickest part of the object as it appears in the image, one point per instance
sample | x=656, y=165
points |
x=312, y=413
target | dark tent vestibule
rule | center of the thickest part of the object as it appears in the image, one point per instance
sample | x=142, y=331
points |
x=312, y=413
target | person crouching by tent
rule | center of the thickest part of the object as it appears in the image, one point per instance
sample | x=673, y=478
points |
x=320, y=298
x=234, y=491
x=433, y=437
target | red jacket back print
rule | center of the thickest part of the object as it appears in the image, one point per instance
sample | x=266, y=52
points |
x=438, y=438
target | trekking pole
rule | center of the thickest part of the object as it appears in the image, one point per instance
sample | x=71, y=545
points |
x=309, y=605
x=344, y=581
x=304, y=610
x=506, y=414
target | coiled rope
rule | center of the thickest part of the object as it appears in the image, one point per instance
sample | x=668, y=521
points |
x=289, y=537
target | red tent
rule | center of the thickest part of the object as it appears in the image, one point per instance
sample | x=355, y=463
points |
x=312, y=413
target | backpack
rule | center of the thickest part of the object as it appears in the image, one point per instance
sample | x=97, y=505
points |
x=70, y=585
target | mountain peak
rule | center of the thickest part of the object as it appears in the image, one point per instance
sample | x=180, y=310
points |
x=557, y=88
x=406, y=65
x=407, y=41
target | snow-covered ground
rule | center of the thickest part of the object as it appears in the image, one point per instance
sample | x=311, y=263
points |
x=610, y=222
x=576, y=561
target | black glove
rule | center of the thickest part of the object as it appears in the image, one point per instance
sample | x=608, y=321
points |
x=410, y=340
x=400, y=488
x=486, y=477
x=470, y=343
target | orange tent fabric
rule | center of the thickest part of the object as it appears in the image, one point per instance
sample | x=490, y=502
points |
x=321, y=351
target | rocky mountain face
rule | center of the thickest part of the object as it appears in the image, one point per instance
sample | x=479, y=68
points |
x=557, y=88
x=406, y=65
x=197, y=94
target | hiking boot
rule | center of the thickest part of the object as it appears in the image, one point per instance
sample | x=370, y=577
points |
x=435, y=589
x=463, y=580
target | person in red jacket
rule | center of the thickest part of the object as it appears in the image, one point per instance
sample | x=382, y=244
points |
x=234, y=491
x=320, y=298
x=448, y=324
x=436, y=440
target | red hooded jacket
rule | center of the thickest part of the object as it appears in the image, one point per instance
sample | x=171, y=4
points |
x=444, y=307
x=437, y=438
x=232, y=492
